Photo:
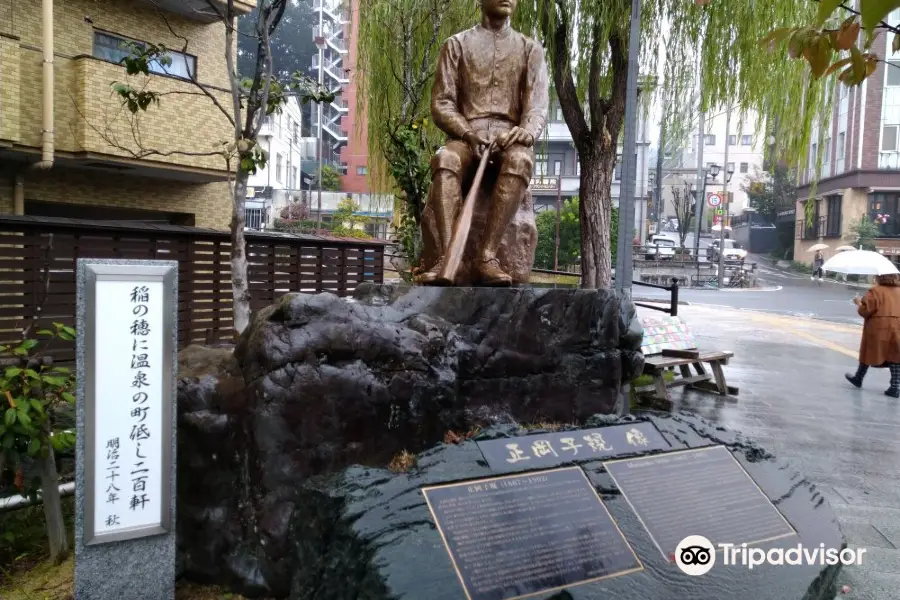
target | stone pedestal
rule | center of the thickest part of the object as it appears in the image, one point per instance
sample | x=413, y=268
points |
x=318, y=383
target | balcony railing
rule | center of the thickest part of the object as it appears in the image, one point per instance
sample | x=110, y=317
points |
x=91, y=88
x=333, y=10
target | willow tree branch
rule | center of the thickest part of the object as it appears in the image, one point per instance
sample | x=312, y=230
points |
x=563, y=80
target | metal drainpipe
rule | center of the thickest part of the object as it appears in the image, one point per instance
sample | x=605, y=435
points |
x=47, y=150
x=47, y=128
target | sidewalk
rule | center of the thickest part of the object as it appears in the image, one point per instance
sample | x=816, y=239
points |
x=795, y=402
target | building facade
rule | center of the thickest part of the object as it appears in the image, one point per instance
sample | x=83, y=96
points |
x=746, y=151
x=289, y=171
x=557, y=172
x=859, y=174
x=69, y=149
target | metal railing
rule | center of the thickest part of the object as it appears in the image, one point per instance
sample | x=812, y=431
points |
x=672, y=309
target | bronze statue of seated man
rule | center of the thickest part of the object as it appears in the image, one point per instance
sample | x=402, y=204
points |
x=490, y=95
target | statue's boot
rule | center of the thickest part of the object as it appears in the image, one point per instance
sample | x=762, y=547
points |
x=433, y=275
x=490, y=273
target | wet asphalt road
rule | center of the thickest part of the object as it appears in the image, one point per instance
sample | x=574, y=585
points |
x=794, y=401
x=784, y=294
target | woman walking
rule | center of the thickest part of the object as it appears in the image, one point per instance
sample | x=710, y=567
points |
x=880, y=346
x=818, y=261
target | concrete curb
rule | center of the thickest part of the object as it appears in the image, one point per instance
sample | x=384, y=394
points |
x=659, y=301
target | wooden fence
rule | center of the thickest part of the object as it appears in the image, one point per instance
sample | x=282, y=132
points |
x=278, y=264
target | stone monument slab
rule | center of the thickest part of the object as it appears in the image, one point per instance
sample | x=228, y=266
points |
x=384, y=538
x=561, y=447
x=127, y=324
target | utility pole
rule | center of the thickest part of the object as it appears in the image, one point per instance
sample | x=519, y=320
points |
x=701, y=187
x=629, y=161
x=558, y=215
x=725, y=178
x=321, y=46
x=659, y=170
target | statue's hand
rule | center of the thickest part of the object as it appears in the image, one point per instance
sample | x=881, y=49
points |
x=516, y=135
x=476, y=142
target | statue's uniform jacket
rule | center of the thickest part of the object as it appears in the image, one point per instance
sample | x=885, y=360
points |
x=488, y=82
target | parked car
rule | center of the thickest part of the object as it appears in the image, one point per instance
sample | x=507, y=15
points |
x=732, y=252
x=660, y=248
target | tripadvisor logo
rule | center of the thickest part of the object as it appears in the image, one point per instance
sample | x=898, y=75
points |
x=695, y=555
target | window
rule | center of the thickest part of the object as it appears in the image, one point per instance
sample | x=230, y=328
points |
x=889, y=203
x=746, y=140
x=278, y=160
x=827, y=157
x=557, y=167
x=293, y=182
x=732, y=140
x=893, y=72
x=839, y=149
x=288, y=127
x=889, y=138
x=114, y=48
x=745, y=167
x=577, y=165
x=833, y=221
x=559, y=113
x=362, y=170
x=810, y=228
x=617, y=175
x=729, y=168
x=709, y=140
x=540, y=165
x=254, y=218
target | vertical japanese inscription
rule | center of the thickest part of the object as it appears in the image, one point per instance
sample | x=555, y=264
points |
x=128, y=413
x=519, y=535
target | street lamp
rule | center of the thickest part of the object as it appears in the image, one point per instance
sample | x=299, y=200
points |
x=723, y=222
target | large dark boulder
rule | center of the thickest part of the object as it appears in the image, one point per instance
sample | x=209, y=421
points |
x=318, y=383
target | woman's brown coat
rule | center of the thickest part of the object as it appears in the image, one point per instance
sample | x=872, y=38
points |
x=880, y=307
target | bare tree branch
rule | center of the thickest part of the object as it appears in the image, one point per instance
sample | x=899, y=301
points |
x=193, y=75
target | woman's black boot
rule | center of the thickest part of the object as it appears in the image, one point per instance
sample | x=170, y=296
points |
x=894, y=390
x=857, y=380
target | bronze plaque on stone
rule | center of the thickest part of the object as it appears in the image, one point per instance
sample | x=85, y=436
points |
x=520, y=535
x=703, y=492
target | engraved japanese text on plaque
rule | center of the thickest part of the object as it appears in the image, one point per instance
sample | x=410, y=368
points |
x=514, y=536
x=697, y=492
x=556, y=448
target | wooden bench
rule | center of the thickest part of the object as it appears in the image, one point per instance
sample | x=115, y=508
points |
x=667, y=346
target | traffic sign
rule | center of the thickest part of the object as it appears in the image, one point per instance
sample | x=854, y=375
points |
x=720, y=211
x=713, y=199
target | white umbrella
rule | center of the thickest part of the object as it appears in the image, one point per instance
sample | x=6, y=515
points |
x=844, y=248
x=860, y=262
x=817, y=247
